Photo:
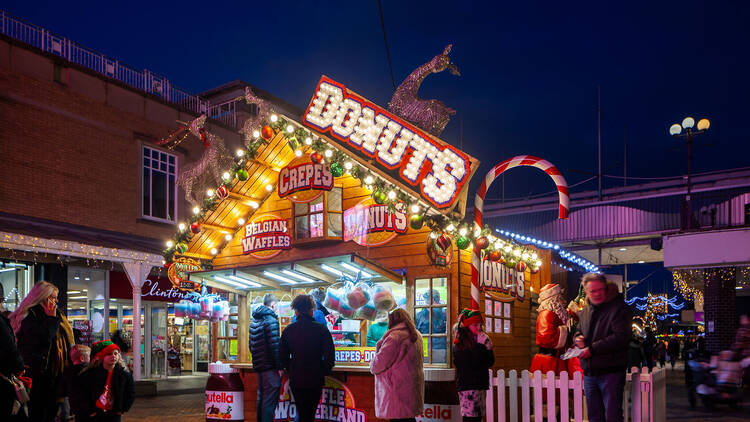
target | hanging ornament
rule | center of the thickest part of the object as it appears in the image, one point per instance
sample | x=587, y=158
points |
x=204, y=139
x=521, y=266
x=534, y=270
x=337, y=170
x=316, y=157
x=463, y=242
x=195, y=228
x=494, y=256
x=439, y=250
x=511, y=263
x=242, y=175
x=482, y=242
x=222, y=192
x=379, y=197
x=181, y=247
x=416, y=221
x=266, y=132
x=444, y=241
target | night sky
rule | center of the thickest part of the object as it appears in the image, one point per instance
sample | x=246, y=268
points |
x=529, y=71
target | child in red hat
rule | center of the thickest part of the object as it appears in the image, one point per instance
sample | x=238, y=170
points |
x=105, y=387
x=473, y=356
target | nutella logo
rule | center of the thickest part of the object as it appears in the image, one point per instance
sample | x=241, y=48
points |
x=439, y=413
x=219, y=397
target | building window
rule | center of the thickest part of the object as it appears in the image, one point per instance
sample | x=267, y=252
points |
x=159, y=185
x=431, y=316
x=321, y=218
x=499, y=316
x=227, y=348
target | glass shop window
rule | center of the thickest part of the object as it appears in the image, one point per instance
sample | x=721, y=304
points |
x=321, y=218
x=159, y=185
x=431, y=317
x=498, y=316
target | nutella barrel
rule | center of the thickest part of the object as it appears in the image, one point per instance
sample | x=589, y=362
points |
x=225, y=393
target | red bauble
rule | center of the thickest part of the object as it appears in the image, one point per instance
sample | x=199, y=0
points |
x=222, y=192
x=482, y=242
x=534, y=270
x=316, y=157
x=521, y=266
x=266, y=132
x=494, y=256
x=195, y=228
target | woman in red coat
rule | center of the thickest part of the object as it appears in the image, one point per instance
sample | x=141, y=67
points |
x=552, y=326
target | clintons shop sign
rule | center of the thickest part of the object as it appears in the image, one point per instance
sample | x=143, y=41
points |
x=439, y=170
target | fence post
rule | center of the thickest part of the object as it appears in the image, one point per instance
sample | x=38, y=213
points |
x=578, y=396
x=564, y=412
x=501, y=396
x=489, y=401
x=635, y=395
x=513, y=395
x=551, y=390
x=525, y=396
x=536, y=382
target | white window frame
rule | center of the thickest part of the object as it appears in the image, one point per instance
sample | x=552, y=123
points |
x=151, y=170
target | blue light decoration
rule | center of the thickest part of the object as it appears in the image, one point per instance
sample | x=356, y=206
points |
x=642, y=307
x=570, y=257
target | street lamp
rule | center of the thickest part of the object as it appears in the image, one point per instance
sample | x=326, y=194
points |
x=676, y=130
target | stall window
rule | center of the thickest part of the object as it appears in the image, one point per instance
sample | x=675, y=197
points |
x=159, y=185
x=321, y=218
x=431, y=316
x=499, y=316
x=227, y=333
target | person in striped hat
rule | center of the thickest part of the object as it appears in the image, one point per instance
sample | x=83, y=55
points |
x=473, y=356
x=105, y=388
x=552, y=326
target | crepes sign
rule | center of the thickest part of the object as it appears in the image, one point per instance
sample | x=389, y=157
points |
x=303, y=180
x=266, y=236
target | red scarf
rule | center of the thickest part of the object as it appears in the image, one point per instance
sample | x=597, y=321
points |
x=105, y=399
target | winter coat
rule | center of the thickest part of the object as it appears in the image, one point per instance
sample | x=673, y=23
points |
x=36, y=337
x=375, y=332
x=90, y=385
x=635, y=354
x=306, y=352
x=10, y=359
x=264, y=340
x=399, y=375
x=67, y=387
x=472, y=366
x=606, y=331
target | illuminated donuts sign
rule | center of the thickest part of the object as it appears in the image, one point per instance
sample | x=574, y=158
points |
x=439, y=170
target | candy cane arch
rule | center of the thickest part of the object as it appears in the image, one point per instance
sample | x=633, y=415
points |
x=520, y=160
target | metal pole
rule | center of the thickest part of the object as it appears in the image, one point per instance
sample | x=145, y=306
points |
x=689, y=160
x=625, y=159
x=599, y=134
x=625, y=284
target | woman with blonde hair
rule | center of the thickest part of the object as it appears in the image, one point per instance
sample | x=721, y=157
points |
x=398, y=370
x=105, y=389
x=44, y=338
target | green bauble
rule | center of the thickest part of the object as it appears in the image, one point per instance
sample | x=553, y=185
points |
x=511, y=263
x=416, y=221
x=379, y=197
x=242, y=175
x=337, y=170
x=181, y=247
x=463, y=242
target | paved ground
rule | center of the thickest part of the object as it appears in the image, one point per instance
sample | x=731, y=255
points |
x=189, y=407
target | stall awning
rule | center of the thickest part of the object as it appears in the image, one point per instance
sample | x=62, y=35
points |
x=298, y=274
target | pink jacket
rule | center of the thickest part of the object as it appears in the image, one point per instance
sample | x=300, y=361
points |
x=399, y=375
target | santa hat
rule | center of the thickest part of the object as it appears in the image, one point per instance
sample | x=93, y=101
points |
x=468, y=317
x=549, y=291
x=102, y=348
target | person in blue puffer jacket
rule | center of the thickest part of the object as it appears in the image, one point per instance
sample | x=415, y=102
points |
x=264, y=347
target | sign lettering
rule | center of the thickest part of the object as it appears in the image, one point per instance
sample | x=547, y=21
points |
x=304, y=176
x=372, y=225
x=178, y=272
x=439, y=170
x=496, y=277
x=266, y=236
x=336, y=404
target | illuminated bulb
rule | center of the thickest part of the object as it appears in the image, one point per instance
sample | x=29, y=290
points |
x=392, y=195
x=226, y=175
x=525, y=255
x=241, y=221
x=289, y=129
x=254, y=205
x=477, y=232
x=369, y=180
x=433, y=235
x=415, y=209
x=214, y=251
x=539, y=263
x=256, y=133
x=450, y=227
x=308, y=140
x=348, y=165
x=228, y=237
x=240, y=153
x=196, y=210
x=169, y=243
x=274, y=118
x=269, y=187
x=517, y=252
x=181, y=226
x=328, y=153
x=210, y=193
x=534, y=256
x=498, y=244
x=298, y=153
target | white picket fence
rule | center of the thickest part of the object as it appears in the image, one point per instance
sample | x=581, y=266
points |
x=643, y=400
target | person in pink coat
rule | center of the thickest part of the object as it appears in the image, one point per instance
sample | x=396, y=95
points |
x=398, y=370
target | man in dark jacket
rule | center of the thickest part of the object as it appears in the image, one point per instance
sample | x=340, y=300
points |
x=264, y=347
x=603, y=334
x=307, y=354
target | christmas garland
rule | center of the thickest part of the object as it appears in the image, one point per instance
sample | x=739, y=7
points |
x=495, y=249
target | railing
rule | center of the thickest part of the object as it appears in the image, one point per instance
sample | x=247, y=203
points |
x=144, y=80
x=550, y=397
x=225, y=112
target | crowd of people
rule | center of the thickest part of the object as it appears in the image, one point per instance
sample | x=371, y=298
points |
x=66, y=381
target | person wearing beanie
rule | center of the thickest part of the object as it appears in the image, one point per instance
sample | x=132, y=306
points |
x=472, y=356
x=553, y=324
x=104, y=389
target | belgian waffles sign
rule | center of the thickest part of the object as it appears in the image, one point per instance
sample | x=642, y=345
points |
x=266, y=236
x=439, y=171
x=304, y=181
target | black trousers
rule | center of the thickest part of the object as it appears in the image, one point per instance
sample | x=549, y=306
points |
x=306, y=400
x=42, y=403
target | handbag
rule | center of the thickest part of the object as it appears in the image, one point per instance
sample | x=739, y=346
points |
x=21, y=395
